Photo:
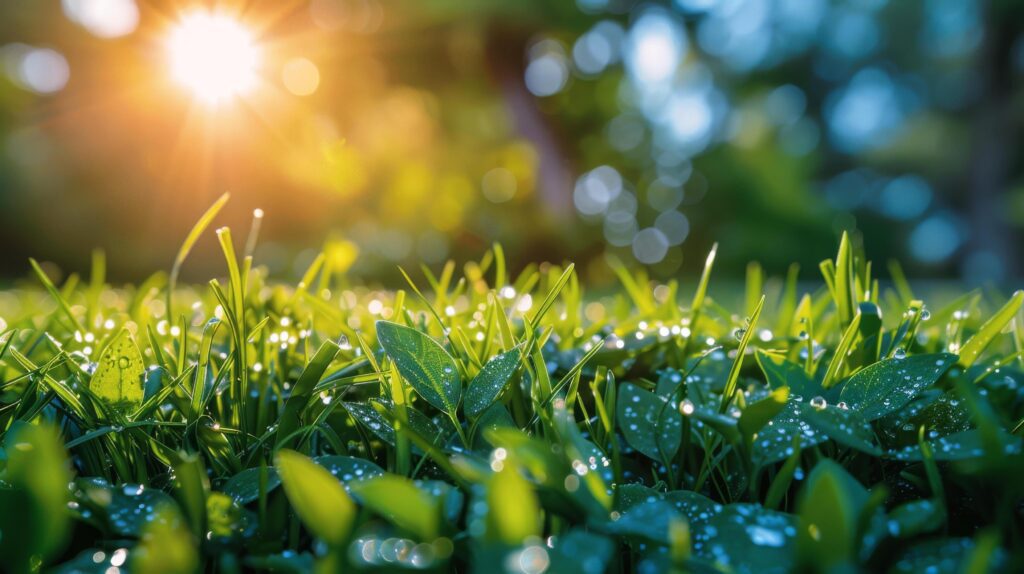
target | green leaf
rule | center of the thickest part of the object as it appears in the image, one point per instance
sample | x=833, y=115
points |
x=424, y=363
x=829, y=509
x=166, y=547
x=317, y=497
x=845, y=426
x=781, y=372
x=294, y=408
x=581, y=552
x=651, y=424
x=34, y=495
x=513, y=513
x=748, y=539
x=757, y=415
x=244, y=487
x=399, y=501
x=349, y=470
x=972, y=349
x=888, y=385
x=119, y=377
x=775, y=441
x=647, y=522
x=487, y=385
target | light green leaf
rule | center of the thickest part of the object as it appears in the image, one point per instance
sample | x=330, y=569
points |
x=829, y=509
x=757, y=415
x=400, y=502
x=888, y=385
x=972, y=349
x=492, y=379
x=317, y=497
x=513, y=511
x=430, y=370
x=118, y=378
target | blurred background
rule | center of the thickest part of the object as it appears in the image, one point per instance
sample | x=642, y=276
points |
x=399, y=132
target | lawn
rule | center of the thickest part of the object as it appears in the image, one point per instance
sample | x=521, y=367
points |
x=480, y=421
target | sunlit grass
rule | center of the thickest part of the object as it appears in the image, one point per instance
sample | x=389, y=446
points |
x=484, y=420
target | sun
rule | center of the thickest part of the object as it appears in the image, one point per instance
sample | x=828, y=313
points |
x=213, y=55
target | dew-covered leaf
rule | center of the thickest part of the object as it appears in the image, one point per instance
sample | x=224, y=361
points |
x=629, y=495
x=581, y=552
x=844, y=426
x=912, y=518
x=127, y=508
x=244, y=487
x=646, y=521
x=748, y=539
x=349, y=469
x=964, y=445
x=774, y=442
x=938, y=556
x=888, y=385
x=492, y=379
x=651, y=424
x=424, y=363
x=381, y=427
x=697, y=508
x=119, y=376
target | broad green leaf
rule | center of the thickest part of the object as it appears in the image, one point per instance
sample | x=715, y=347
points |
x=829, y=508
x=581, y=552
x=349, y=470
x=758, y=414
x=424, y=363
x=244, y=487
x=629, y=495
x=964, y=445
x=695, y=507
x=648, y=521
x=940, y=556
x=119, y=377
x=844, y=426
x=774, y=442
x=367, y=415
x=513, y=513
x=33, y=495
x=780, y=372
x=399, y=501
x=888, y=385
x=126, y=508
x=167, y=547
x=651, y=424
x=487, y=385
x=748, y=539
x=972, y=349
x=317, y=497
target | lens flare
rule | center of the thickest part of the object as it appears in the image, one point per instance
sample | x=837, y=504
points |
x=213, y=55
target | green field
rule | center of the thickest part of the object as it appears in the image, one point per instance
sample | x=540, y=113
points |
x=480, y=421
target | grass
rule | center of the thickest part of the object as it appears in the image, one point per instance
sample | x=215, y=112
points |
x=480, y=422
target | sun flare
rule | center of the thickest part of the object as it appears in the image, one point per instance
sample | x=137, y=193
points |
x=213, y=55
